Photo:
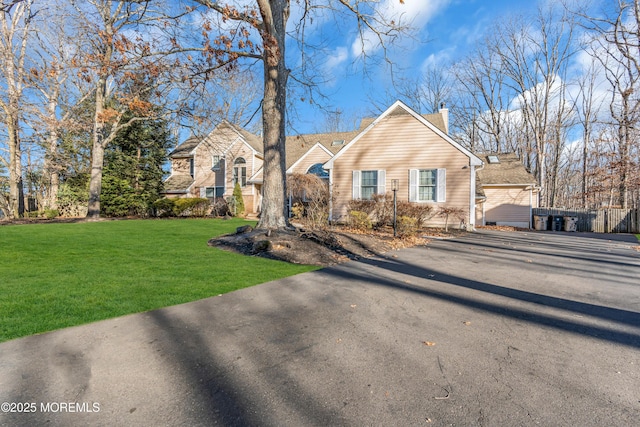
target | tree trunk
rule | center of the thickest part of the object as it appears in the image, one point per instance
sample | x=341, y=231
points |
x=12, y=59
x=273, y=212
x=97, y=151
x=51, y=167
x=623, y=189
x=586, y=136
x=16, y=194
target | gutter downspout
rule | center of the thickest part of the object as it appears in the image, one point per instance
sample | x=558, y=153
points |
x=531, y=188
x=530, y=206
x=330, y=195
x=472, y=198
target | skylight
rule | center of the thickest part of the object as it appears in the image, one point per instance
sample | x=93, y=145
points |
x=493, y=159
x=337, y=142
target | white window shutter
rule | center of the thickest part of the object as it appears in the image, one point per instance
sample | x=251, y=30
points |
x=356, y=185
x=442, y=186
x=413, y=185
x=382, y=182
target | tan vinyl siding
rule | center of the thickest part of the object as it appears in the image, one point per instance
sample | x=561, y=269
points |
x=240, y=149
x=479, y=207
x=223, y=177
x=396, y=145
x=203, y=163
x=316, y=155
x=507, y=206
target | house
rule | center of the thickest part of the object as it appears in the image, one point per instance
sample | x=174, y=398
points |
x=403, y=146
x=209, y=167
x=507, y=192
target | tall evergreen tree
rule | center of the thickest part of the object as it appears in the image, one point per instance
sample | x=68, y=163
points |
x=133, y=171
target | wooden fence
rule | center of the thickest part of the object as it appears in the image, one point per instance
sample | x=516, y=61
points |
x=599, y=221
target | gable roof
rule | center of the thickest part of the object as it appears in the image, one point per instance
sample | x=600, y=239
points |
x=318, y=146
x=509, y=170
x=436, y=119
x=178, y=184
x=185, y=149
x=399, y=108
x=299, y=145
x=220, y=131
x=253, y=140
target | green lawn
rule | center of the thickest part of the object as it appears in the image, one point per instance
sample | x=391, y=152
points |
x=58, y=275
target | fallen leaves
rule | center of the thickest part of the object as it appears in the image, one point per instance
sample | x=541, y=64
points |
x=428, y=343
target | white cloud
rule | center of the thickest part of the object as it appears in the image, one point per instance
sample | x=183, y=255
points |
x=435, y=60
x=417, y=13
x=333, y=64
x=536, y=95
x=337, y=58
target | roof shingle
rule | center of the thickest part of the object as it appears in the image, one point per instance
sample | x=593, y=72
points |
x=510, y=170
x=178, y=183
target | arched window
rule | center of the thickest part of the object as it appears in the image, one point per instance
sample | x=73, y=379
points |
x=318, y=171
x=240, y=171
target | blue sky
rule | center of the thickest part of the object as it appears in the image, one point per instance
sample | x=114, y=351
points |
x=445, y=30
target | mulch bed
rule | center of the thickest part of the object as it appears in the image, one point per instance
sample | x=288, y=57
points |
x=319, y=247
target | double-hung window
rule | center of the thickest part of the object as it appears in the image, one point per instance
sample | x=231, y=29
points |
x=215, y=162
x=367, y=183
x=427, y=185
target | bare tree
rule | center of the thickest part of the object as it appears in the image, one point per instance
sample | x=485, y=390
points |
x=15, y=29
x=425, y=92
x=616, y=45
x=587, y=113
x=562, y=118
x=125, y=63
x=232, y=96
x=52, y=58
x=268, y=18
x=482, y=98
x=534, y=53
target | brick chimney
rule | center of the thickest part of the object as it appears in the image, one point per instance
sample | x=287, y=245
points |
x=444, y=112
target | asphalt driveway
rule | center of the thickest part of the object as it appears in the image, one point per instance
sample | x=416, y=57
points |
x=491, y=329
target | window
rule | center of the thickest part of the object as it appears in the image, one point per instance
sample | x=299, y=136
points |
x=368, y=183
x=214, y=192
x=192, y=168
x=427, y=185
x=493, y=159
x=240, y=171
x=318, y=171
x=215, y=162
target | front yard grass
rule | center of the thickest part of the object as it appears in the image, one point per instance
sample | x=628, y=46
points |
x=58, y=275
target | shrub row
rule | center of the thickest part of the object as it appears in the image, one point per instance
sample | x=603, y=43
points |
x=410, y=217
x=193, y=206
x=379, y=212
